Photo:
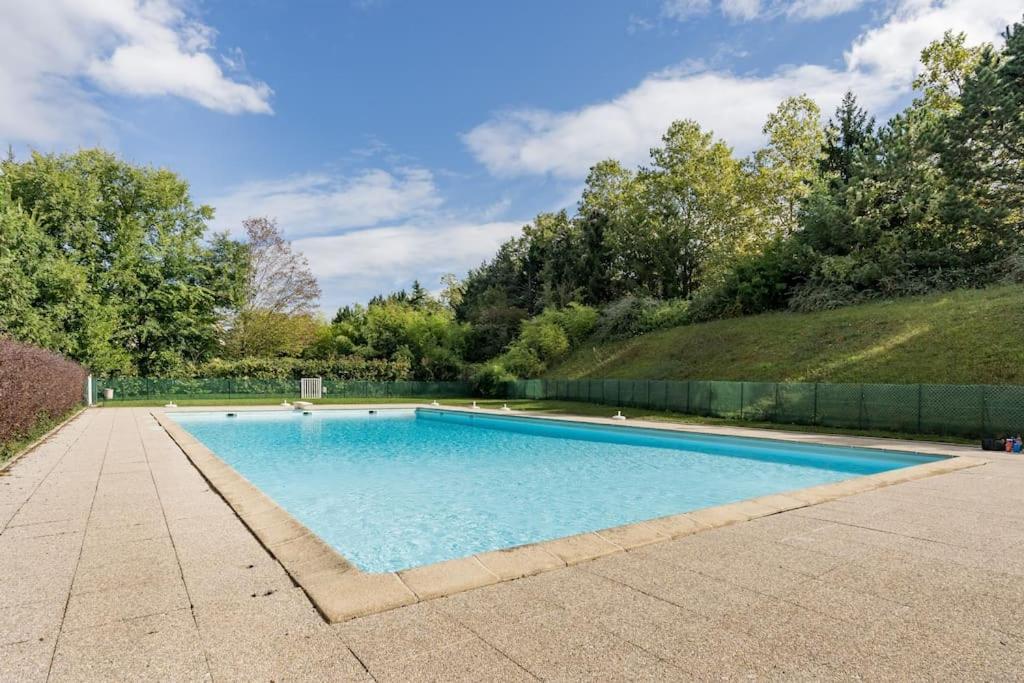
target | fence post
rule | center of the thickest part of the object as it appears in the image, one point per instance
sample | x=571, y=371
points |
x=775, y=411
x=688, y=398
x=742, y=384
x=984, y=409
x=814, y=411
x=921, y=391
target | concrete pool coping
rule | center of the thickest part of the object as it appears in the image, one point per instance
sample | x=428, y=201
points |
x=341, y=591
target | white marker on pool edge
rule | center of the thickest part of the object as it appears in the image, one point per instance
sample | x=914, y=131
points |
x=475, y=405
x=504, y=406
x=618, y=416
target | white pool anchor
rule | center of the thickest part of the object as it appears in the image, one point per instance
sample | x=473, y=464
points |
x=286, y=404
x=434, y=403
x=475, y=406
x=504, y=406
x=172, y=404
x=618, y=416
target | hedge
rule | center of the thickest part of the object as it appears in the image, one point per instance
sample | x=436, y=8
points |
x=37, y=388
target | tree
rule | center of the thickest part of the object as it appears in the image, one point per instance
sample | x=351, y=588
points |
x=692, y=217
x=452, y=291
x=279, y=279
x=275, y=317
x=985, y=147
x=121, y=273
x=947, y=64
x=789, y=165
x=845, y=136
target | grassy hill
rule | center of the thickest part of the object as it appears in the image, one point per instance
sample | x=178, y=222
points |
x=963, y=337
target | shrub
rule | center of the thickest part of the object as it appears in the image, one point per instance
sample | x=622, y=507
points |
x=490, y=380
x=547, y=340
x=633, y=315
x=37, y=387
x=576, y=320
x=1013, y=268
x=670, y=313
x=522, y=361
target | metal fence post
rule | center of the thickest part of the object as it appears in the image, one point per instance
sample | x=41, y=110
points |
x=984, y=409
x=860, y=409
x=920, y=402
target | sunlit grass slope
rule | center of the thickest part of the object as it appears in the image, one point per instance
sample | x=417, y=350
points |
x=962, y=337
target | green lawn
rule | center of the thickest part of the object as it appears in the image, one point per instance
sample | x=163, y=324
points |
x=963, y=337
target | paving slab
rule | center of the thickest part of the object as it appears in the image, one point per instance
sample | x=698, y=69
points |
x=380, y=639
x=120, y=562
x=469, y=661
x=162, y=647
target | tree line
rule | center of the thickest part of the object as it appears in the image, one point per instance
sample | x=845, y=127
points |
x=109, y=263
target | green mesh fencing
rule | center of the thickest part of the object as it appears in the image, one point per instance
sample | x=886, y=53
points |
x=138, y=388
x=958, y=410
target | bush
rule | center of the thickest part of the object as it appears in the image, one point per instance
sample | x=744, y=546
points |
x=576, y=320
x=634, y=315
x=547, y=340
x=666, y=314
x=1013, y=268
x=490, y=380
x=37, y=387
x=522, y=361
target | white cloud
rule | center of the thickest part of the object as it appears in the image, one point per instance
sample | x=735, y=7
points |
x=359, y=264
x=744, y=10
x=819, y=9
x=748, y=10
x=320, y=203
x=880, y=66
x=55, y=54
x=370, y=232
x=683, y=9
x=405, y=251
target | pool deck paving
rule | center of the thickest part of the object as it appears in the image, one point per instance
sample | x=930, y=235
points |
x=118, y=562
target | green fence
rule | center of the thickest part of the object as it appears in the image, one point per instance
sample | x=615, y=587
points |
x=138, y=388
x=950, y=409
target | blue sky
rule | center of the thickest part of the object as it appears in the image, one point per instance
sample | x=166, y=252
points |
x=395, y=139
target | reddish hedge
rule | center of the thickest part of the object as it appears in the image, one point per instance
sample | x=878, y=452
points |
x=35, y=386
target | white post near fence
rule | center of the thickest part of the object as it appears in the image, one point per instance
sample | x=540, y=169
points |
x=88, y=390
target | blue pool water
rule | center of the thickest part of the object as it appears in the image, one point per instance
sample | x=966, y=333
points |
x=403, y=488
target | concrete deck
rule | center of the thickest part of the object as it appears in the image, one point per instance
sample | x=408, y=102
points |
x=118, y=562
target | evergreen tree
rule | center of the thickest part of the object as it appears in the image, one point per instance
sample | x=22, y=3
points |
x=845, y=135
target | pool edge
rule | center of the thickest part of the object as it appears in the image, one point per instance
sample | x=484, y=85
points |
x=340, y=591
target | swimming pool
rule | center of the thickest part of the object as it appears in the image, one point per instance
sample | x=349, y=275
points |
x=395, y=489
